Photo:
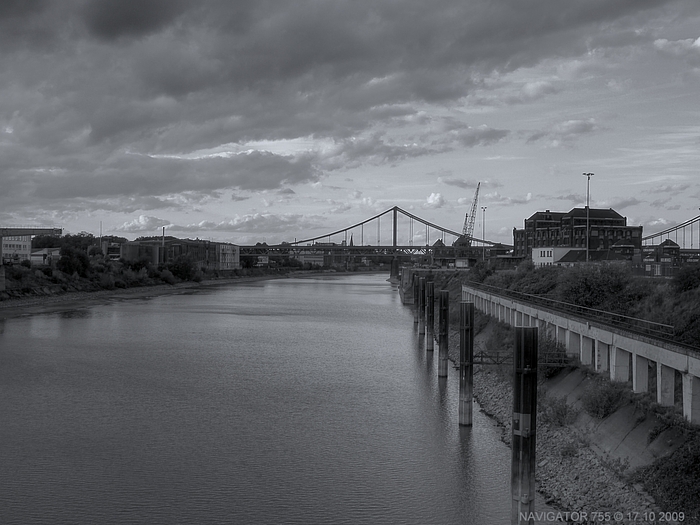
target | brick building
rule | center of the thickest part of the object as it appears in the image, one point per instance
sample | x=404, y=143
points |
x=568, y=229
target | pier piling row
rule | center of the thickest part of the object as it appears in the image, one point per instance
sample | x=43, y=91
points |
x=444, y=321
x=430, y=316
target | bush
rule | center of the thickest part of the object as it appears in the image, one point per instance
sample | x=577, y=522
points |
x=687, y=278
x=107, y=281
x=551, y=355
x=26, y=263
x=603, y=287
x=47, y=271
x=167, y=276
x=73, y=261
x=183, y=268
x=602, y=397
x=556, y=411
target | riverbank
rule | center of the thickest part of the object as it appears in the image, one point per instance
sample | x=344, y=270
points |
x=71, y=300
x=570, y=474
x=39, y=302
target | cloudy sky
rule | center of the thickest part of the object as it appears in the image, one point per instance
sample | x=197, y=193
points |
x=266, y=120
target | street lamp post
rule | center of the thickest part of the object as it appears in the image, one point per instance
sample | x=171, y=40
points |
x=483, y=231
x=588, y=214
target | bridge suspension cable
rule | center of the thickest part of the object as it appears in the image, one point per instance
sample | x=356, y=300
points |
x=395, y=211
x=690, y=224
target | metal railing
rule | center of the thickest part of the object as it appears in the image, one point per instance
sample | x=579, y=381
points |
x=634, y=324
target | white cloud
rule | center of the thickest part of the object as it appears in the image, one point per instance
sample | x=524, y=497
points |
x=143, y=223
x=434, y=200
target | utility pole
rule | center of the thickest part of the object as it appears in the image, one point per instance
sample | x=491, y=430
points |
x=588, y=209
x=483, y=230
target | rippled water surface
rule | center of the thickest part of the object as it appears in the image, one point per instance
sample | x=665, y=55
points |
x=306, y=400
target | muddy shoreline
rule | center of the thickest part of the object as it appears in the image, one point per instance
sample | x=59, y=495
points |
x=72, y=300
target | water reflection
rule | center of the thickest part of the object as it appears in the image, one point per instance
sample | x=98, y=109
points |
x=290, y=401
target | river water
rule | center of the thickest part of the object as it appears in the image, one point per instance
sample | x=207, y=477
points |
x=301, y=400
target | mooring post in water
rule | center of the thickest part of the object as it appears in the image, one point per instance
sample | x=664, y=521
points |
x=524, y=425
x=394, y=269
x=466, y=362
x=430, y=315
x=415, y=298
x=421, y=306
x=444, y=332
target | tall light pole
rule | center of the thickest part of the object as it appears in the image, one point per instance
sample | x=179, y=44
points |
x=588, y=210
x=483, y=230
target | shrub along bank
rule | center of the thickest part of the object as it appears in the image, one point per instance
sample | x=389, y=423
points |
x=101, y=274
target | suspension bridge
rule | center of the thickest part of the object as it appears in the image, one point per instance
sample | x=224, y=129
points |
x=399, y=233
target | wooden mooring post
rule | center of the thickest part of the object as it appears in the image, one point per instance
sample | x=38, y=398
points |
x=466, y=362
x=430, y=316
x=524, y=425
x=421, y=306
x=415, y=298
x=444, y=322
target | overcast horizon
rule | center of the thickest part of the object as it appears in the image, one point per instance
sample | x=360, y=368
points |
x=255, y=121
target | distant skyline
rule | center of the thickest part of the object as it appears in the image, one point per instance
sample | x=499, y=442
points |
x=255, y=120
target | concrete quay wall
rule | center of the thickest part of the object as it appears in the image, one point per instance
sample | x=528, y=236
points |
x=650, y=365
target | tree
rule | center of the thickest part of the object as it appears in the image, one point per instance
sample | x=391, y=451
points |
x=73, y=260
x=183, y=268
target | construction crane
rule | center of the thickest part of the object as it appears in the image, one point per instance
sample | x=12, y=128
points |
x=469, y=218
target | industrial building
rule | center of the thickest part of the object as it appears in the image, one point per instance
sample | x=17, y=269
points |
x=602, y=229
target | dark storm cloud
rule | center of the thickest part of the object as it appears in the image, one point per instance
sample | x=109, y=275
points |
x=565, y=133
x=149, y=182
x=24, y=23
x=110, y=19
x=118, y=80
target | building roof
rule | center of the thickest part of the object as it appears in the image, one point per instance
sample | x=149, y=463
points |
x=595, y=213
x=576, y=256
x=556, y=215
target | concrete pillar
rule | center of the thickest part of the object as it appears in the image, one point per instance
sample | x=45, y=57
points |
x=691, y=398
x=561, y=334
x=573, y=344
x=665, y=385
x=640, y=374
x=551, y=330
x=587, y=350
x=619, y=364
x=602, y=363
